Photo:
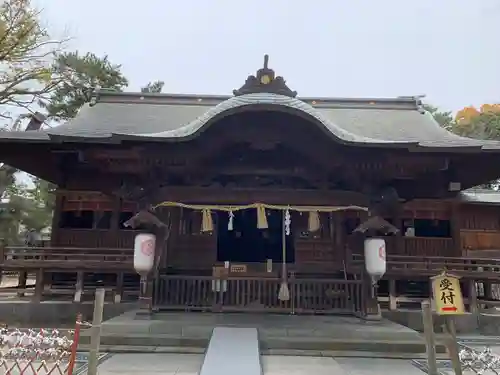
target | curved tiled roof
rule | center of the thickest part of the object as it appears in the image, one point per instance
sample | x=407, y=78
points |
x=268, y=101
x=161, y=117
x=481, y=196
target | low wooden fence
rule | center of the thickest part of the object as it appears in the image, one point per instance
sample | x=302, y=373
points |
x=236, y=294
x=398, y=265
x=410, y=246
x=480, y=279
x=59, y=258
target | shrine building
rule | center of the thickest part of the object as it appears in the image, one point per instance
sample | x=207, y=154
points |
x=258, y=201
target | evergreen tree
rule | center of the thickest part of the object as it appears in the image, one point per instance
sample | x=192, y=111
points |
x=79, y=76
x=445, y=119
x=25, y=209
x=153, y=87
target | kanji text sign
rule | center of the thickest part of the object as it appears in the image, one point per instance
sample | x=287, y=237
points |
x=447, y=295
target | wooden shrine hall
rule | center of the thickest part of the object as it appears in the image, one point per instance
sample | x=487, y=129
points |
x=259, y=201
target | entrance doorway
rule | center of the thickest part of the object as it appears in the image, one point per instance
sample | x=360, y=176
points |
x=248, y=244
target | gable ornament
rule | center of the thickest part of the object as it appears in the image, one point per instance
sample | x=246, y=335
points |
x=265, y=81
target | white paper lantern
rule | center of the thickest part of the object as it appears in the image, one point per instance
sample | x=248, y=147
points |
x=144, y=252
x=375, y=257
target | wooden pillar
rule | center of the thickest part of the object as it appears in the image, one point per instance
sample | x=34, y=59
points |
x=23, y=278
x=39, y=283
x=115, y=216
x=119, y=287
x=430, y=337
x=455, y=229
x=149, y=293
x=145, y=297
x=56, y=218
x=393, y=298
x=397, y=219
x=488, y=293
x=371, y=300
x=399, y=237
x=338, y=239
x=472, y=294
x=79, y=286
x=3, y=251
x=169, y=234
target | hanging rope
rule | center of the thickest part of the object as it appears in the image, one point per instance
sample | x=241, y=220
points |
x=207, y=224
x=313, y=224
x=261, y=217
x=284, y=292
x=201, y=207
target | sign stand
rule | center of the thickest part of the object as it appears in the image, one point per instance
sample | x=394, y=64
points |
x=449, y=302
x=451, y=344
x=430, y=338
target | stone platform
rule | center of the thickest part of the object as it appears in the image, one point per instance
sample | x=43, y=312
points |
x=57, y=314
x=276, y=332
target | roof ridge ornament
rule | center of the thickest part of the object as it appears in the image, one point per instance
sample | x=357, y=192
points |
x=265, y=81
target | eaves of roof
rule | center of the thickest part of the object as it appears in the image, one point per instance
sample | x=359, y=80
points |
x=118, y=117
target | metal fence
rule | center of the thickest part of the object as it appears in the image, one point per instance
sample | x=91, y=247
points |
x=480, y=362
x=38, y=352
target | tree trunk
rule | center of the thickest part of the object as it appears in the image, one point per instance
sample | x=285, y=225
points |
x=6, y=177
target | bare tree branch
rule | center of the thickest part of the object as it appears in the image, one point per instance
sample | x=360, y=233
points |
x=26, y=56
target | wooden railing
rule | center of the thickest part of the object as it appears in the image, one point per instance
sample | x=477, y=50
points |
x=66, y=258
x=95, y=238
x=478, y=268
x=410, y=246
x=259, y=295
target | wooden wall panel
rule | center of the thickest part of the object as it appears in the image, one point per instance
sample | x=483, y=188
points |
x=473, y=240
x=480, y=217
x=427, y=209
x=193, y=252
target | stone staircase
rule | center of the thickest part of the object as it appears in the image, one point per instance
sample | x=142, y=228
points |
x=276, y=333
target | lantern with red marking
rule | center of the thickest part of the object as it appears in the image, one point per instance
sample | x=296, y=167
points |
x=375, y=261
x=144, y=252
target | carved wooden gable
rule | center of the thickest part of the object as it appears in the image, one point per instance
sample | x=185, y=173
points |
x=244, y=165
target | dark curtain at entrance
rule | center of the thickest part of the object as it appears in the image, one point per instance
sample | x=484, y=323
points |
x=248, y=244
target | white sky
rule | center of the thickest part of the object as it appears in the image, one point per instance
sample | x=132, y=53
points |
x=447, y=49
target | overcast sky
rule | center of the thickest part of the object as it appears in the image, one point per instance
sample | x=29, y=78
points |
x=446, y=49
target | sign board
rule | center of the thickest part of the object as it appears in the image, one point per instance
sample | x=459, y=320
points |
x=447, y=294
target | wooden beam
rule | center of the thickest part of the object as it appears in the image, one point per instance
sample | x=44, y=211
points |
x=477, y=169
x=39, y=162
x=196, y=195
x=455, y=228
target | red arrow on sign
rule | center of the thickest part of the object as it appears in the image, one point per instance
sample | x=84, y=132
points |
x=451, y=308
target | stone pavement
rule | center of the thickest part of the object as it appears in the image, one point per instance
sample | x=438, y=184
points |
x=152, y=364
x=149, y=347
x=285, y=332
x=190, y=364
x=270, y=325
